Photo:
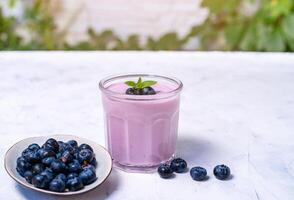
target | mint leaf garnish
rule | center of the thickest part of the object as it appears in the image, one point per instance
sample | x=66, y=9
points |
x=140, y=84
x=130, y=83
x=148, y=83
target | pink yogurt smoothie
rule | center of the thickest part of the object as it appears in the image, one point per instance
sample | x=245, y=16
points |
x=141, y=133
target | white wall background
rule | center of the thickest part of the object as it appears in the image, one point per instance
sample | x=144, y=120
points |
x=125, y=17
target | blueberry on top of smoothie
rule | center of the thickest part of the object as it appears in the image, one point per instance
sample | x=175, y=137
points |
x=141, y=87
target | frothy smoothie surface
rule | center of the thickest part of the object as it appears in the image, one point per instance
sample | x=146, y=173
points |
x=158, y=87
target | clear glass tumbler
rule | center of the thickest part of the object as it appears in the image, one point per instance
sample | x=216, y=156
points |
x=141, y=130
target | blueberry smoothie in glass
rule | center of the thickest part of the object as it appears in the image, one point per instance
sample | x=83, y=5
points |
x=141, y=118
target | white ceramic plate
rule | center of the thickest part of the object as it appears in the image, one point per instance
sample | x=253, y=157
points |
x=103, y=158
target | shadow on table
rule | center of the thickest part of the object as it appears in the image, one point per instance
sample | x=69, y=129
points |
x=101, y=192
x=194, y=149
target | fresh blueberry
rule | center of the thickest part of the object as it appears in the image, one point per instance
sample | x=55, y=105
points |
x=94, y=162
x=38, y=168
x=222, y=172
x=90, y=167
x=165, y=171
x=22, y=166
x=58, y=155
x=74, y=166
x=198, y=173
x=72, y=143
x=57, y=185
x=34, y=147
x=44, y=153
x=25, y=152
x=85, y=156
x=74, y=184
x=85, y=146
x=48, y=173
x=40, y=181
x=72, y=175
x=130, y=91
x=66, y=157
x=66, y=147
x=32, y=156
x=148, y=91
x=62, y=177
x=178, y=165
x=58, y=166
x=28, y=175
x=47, y=161
x=53, y=143
x=87, y=176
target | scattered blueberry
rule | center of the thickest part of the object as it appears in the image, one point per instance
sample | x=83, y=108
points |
x=165, y=171
x=74, y=184
x=87, y=176
x=198, y=173
x=57, y=185
x=58, y=166
x=40, y=181
x=178, y=165
x=222, y=172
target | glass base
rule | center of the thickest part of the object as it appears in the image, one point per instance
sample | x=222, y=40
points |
x=138, y=168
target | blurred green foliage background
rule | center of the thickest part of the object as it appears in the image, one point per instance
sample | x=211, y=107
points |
x=267, y=26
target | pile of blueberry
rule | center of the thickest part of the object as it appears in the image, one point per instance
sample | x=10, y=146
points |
x=58, y=166
x=179, y=165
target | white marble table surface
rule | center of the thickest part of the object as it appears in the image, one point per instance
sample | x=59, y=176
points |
x=236, y=109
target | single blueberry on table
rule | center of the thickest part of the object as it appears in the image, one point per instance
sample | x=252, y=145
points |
x=38, y=168
x=58, y=166
x=28, y=175
x=40, y=181
x=72, y=143
x=57, y=185
x=66, y=157
x=72, y=175
x=198, y=173
x=62, y=177
x=74, y=184
x=87, y=176
x=34, y=147
x=74, y=166
x=47, y=161
x=85, y=156
x=85, y=146
x=178, y=165
x=222, y=172
x=165, y=171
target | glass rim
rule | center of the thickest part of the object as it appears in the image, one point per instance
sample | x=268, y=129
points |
x=114, y=94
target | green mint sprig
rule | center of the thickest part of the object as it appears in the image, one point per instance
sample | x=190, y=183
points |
x=140, y=84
